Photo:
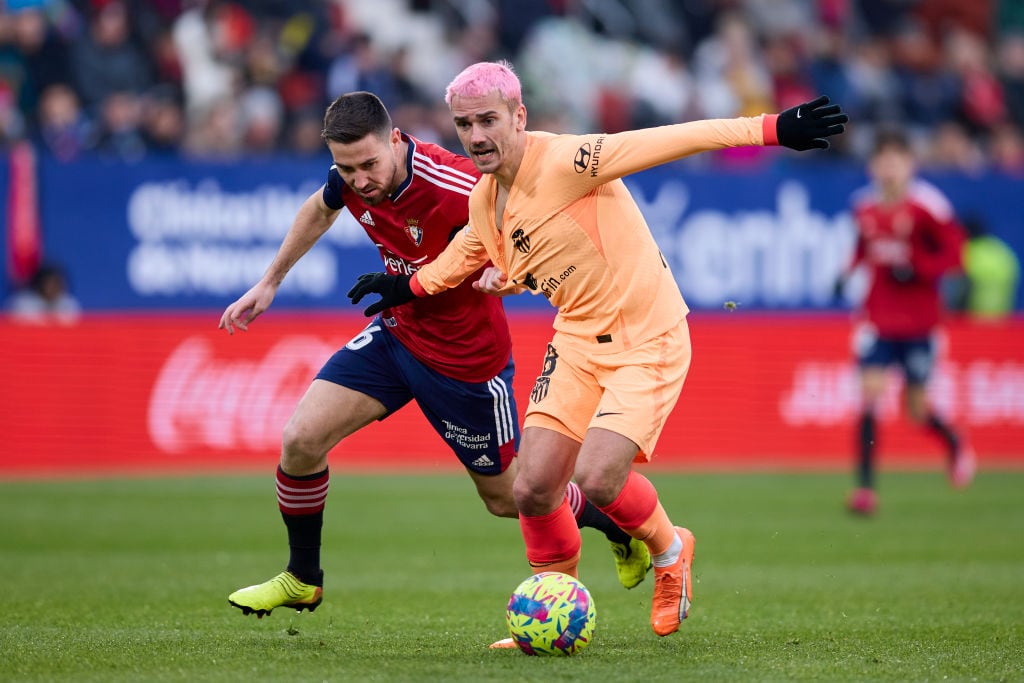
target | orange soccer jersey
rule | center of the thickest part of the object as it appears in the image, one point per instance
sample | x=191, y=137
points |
x=571, y=232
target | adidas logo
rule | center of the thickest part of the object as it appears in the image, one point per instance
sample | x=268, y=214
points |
x=367, y=218
x=482, y=461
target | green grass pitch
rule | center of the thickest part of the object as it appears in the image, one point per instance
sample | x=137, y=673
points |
x=127, y=580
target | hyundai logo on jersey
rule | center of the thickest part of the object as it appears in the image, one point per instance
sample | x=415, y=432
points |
x=582, y=160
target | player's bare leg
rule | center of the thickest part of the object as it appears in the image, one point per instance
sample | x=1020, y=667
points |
x=496, y=491
x=546, y=463
x=863, y=500
x=326, y=414
x=960, y=462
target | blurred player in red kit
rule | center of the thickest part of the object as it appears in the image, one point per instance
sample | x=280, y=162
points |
x=451, y=354
x=908, y=238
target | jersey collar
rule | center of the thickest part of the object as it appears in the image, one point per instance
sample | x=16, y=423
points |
x=408, y=168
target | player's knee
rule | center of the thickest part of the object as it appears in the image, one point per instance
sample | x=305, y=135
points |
x=872, y=386
x=597, y=487
x=301, y=445
x=535, y=498
x=917, y=404
x=501, y=506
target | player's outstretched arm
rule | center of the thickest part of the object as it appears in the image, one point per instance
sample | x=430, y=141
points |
x=248, y=307
x=808, y=125
x=313, y=219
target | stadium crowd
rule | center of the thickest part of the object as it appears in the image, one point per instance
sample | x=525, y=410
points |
x=220, y=79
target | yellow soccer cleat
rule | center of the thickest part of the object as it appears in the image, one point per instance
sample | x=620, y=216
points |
x=632, y=562
x=284, y=590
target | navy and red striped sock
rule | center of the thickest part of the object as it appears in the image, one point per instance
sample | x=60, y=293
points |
x=301, y=501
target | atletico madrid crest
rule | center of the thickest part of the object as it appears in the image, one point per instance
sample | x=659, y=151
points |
x=414, y=231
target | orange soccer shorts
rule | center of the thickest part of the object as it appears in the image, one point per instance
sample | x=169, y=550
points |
x=629, y=392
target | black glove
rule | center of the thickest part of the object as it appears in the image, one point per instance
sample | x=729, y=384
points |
x=809, y=125
x=393, y=289
x=902, y=273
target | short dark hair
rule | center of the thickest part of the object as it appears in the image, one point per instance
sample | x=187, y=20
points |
x=891, y=137
x=353, y=116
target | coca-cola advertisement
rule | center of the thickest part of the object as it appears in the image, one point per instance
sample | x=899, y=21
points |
x=202, y=399
x=172, y=393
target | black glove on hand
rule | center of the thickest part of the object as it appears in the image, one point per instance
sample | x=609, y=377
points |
x=809, y=125
x=902, y=274
x=393, y=289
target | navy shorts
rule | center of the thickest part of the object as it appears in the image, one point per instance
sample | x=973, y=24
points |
x=478, y=420
x=915, y=357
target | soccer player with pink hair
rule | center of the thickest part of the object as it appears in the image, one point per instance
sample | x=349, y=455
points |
x=553, y=215
x=451, y=354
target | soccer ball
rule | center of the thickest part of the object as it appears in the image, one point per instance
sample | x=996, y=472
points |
x=551, y=614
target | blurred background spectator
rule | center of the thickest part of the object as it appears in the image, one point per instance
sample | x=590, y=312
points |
x=45, y=299
x=62, y=128
x=222, y=78
x=987, y=287
x=106, y=59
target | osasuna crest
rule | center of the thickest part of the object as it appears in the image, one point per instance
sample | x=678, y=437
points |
x=413, y=230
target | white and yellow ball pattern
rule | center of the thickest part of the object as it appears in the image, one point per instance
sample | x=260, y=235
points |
x=551, y=614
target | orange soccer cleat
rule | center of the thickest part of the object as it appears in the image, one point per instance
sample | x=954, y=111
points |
x=503, y=644
x=673, y=588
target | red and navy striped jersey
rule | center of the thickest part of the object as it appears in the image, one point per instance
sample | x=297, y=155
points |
x=461, y=333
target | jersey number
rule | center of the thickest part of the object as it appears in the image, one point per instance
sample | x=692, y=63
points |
x=363, y=338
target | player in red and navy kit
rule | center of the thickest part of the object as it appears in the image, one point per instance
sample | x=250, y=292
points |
x=908, y=238
x=451, y=353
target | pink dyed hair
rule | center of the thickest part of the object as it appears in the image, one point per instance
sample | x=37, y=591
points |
x=480, y=79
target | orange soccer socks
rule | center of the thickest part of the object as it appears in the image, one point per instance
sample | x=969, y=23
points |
x=552, y=540
x=638, y=511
